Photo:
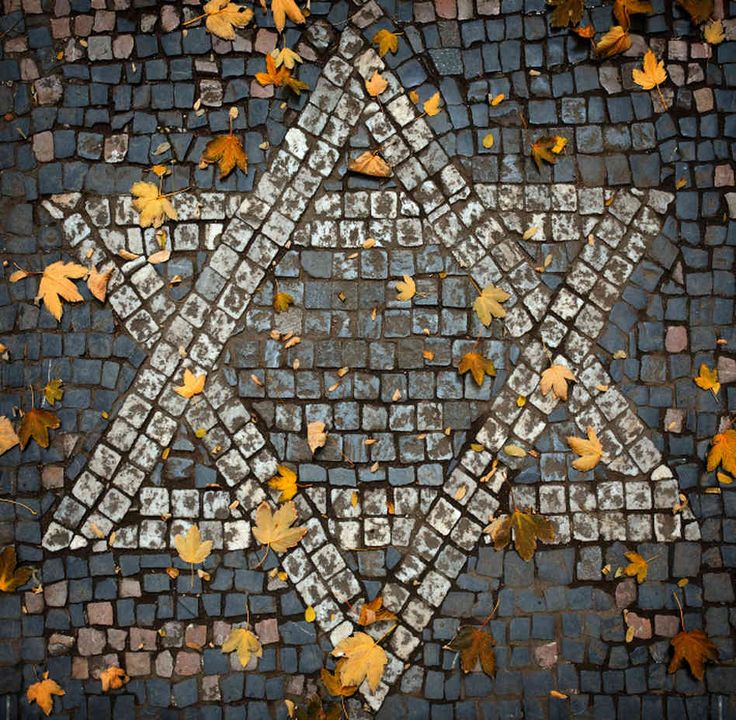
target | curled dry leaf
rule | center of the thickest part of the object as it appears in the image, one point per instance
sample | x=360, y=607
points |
x=432, y=105
x=376, y=84
x=714, y=33
x=371, y=164
x=638, y=566
x=365, y=659
x=723, y=452
x=284, y=482
x=8, y=437
x=42, y=693
x=555, y=378
x=193, y=384
x=113, y=678
x=527, y=527
x=406, y=289
x=707, y=379
x=12, y=577
x=274, y=529
x=36, y=424
x=386, y=42
x=282, y=301
x=546, y=149
x=488, y=304
x=227, y=152
x=590, y=450
x=373, y=612
x=615, y=41
x=97, y=282
x=474, y=644
x=477, y=365
x=153, y=207
x=191, y=548
x=566, y=12
x=224, y=16
x=245, y=643
x=316, y=435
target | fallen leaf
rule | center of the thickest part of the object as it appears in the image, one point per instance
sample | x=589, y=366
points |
x=364, y=660
x=370, y=163
x=514, y=451
x=223, y=17
x=723, y=452
x=587, y=32
x=153, y=207
x=245, y=642
x=566, y=12
x=590, y=450
x=546, y=149
x=557, y=694
x=295, y=85
x=638, y=567
x=193, y=384
x=56, y=285
x=333, y=682
x=309, y=614
x=284, y=482
x=191, y=548
x=530, y=232
x=286, y=57
x=160, y=256
x=615, y=41
x=698, y=10
x=97, y=282
x=113, y=678
x=695, y=648
x=652, y=73
x=36, y=424
x=273, y=76
x=373, y=612
x=282, y=9
x=386, y=41
x=42, y=693
x=274, y=529
x=474, y=644
x=228, y=152
x=707, y=379
x=488, y=141
x=497, y=99
x=8, y=436
x=527, y=527
x=406, y=289
x=624, y=9
x=432, y=105
x=555, y=378
x=53, y=391
x=376, y=84
x=713, y=32
x=723, y=478
x=488, y=304
x=478, y=366
x=11, y=578
x=316, y=435
x=282, y=301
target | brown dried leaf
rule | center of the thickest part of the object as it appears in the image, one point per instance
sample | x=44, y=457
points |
x=36, y=424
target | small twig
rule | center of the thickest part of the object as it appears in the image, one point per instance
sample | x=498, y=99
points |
x=661, y=99
x=679, y=605
x=263, y=559
x=387, y=633
x=17, y=502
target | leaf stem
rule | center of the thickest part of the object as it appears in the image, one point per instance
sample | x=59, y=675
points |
x=174, y=192
x=493, y=612
x=263, y=559
x=17, y=502
x=194, y=19
x=477, y=287
x=387, y=633
x=33, y=398
x=679, y=605
x=661, y=99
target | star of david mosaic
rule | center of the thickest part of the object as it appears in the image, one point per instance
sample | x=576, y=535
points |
x=400, y=493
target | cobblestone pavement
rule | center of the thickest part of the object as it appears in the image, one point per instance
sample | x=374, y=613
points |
x=627, y=278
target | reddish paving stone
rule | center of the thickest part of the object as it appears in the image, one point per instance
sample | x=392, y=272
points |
x=546, y=655
x=143, y=639
x=117, y=638
x=100, y=613
x=267, y=631
x=80, y=668
x=91, y=641
x=52, y=476
x=196, y=635
x=446, y=9
x=642, y=626
x=33, y=602
x=625, y=593
x=187, y=663
x=164, y=664
x=676, y=339
x=137, y=663
x=55, y=595
x=666, y=625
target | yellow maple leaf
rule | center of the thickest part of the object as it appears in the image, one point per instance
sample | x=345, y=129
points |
x=615, y=41
x=333, y=682
x=406, y=289
x=386, y=41
x=8, y=436
x=284, y=482
x=191, y=548
x=590, y=450
x=273, y=529
x=11, y=577
x=316, y=435
x=228, y=152
x=245, y=642
x=555, y=378
x=707, y=379
x=53, y=391
x=370, y=163
x=713, y=32
x=286, y=57
x=42, y=693
x=527, y=527
x=193, y=384
x=478, y=366
x=652, y=73
x=376, y=84
x=56, y=285
x=723, y=452
x=273, y=76
x=364, y=660
x=223, y=16
x=152, y=205
x=113, y=678
x=97, y=282
x=638, y=567
x=282, y=301
x=488, y=304
x=282, y=9
x=36, y=424
x=432, y=105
